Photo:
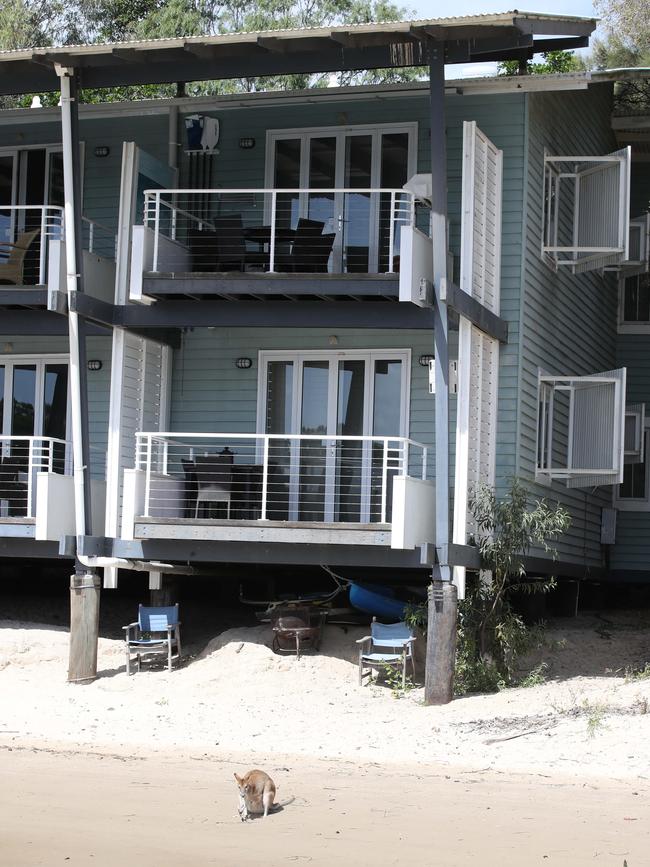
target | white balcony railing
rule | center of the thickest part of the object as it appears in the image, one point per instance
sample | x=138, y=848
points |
x=337, y=231
x=262, y=477
x=21, y=459
x=25, y=235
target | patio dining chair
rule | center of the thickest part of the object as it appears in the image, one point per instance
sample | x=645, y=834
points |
x=12, y=268
x=388, y=645
x=156, y=631
x=214, y=480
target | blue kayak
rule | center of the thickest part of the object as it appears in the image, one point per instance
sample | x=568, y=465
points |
x=376, y=600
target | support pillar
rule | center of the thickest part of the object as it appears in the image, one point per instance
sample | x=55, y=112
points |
x=441, y=642
x=84, y=626
x=163, y=589
x=440, y=664
x=84, y=600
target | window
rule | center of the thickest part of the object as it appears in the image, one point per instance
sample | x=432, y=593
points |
x=633, y=494
x=633, y=437
x=586, y=210
x=581, y=429
x=634, y=304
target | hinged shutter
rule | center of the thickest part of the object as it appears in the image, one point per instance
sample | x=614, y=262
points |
x=137, y=403
x=586, y=210
x=478, y=354
x=633, y=438
x=584, y=426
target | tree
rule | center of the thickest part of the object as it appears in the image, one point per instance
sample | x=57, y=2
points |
x=490, y=633
x=554, y=62
x=627, y=22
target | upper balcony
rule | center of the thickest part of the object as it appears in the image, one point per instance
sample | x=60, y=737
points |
x=273, y=243
x=32, y=255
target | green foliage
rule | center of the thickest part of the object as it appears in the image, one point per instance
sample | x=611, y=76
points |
x=392, y=675
x=415, y=616
x=554, y=62
x=637, y=673
x=536, y=677
x=491, y=635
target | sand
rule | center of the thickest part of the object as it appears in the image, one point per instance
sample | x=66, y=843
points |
x=236, y=697
x=138, y=770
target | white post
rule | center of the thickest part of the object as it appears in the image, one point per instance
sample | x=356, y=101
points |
x=274, y=204
x=156, y=232
x=72, y=278
x=41, y=258
x=265, y=477
x=30, y=478
x=384, y=481
x=147, y=478
x=391, y=233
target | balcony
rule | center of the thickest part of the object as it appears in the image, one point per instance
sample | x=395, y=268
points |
x=36, y=489
x=32, y=255
x=306, y=488
x=271, y=243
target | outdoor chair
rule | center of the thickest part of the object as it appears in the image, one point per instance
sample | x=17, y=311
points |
x=191, y=488
x=310, y=250
x=13, y=267
x=295, y=627
x=214, y=480
x=156, y=631
x=389, y=644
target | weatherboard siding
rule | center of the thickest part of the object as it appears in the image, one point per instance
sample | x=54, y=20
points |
x=569, y=321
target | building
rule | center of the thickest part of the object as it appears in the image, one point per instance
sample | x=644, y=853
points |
x=308, y=324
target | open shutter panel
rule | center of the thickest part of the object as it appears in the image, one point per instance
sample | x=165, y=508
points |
x=603, y=204
x=585, y=429
x=478, y=354
x=138, y=403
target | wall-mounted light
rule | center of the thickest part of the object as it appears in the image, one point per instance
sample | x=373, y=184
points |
x=425, y=360
x=246, y=143
x=102, y=151
x=94, y=364
x=243, y=363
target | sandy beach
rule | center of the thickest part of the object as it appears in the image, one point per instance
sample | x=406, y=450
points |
x=559, y=771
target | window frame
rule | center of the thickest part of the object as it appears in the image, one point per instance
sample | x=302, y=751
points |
x=631, y=326
x=637, y=504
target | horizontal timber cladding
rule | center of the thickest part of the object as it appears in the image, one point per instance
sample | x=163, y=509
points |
x=210, y=394
x=98, y=348
x=569, y=321
x=632, y=548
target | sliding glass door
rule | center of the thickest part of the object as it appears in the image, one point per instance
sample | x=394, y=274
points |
x=356, y=158
x=333, y=405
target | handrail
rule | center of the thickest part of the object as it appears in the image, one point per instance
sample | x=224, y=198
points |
x=163, y=208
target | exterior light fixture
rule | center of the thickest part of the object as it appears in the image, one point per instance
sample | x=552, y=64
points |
x=243, y=363
x=426, y=359
x=246, y=143
x=94, y=364
x=102, y=151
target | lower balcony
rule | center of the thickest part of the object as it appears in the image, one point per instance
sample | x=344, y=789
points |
x=37, y=491
x=308, y=488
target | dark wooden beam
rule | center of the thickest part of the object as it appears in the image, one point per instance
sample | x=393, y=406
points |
x=479, y=315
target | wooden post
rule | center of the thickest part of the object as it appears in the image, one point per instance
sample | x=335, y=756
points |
x=163, y=589
x=84, y=626
x=441, y=630
x=441, y=642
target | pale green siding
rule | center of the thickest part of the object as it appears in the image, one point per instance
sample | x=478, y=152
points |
x=569, y=320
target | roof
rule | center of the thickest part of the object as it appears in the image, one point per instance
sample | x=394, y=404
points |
x=464, y=39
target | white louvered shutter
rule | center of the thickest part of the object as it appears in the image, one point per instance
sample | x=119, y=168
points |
x=478, y=354
x=137, y=403
x=587, y=210
x=585, y=426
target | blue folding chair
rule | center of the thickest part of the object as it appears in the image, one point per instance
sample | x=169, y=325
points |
x=156, y=631
x=389, y=644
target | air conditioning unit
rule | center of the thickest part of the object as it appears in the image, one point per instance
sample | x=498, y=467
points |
x=420, y=186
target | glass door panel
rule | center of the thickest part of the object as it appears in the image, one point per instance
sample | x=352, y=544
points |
x=7, y=163
x=279, y=413
x=350, y=456
x=23, y=409
x=313, y=453
x=287, y=176
x=394, y=174
x=55, y=410
x=322, y=175
x=357, y=223
x=386, y=418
